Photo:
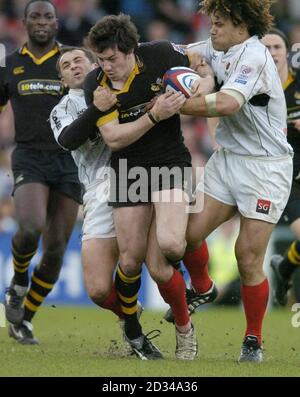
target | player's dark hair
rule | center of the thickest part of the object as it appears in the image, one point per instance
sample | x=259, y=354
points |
x=114, y=31
x=254, y=13
x=280, y=33
x=64, y=49
x=35, y=1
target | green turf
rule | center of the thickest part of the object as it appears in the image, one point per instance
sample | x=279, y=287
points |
x=87, y=342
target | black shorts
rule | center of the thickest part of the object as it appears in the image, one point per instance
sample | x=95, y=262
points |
x=292, y=209
x=54, y=168
x=132, y=185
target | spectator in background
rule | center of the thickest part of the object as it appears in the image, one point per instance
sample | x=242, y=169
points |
x=141, y=13
x=284, y=267
x=158, y=30
x=78, y=20
x=178, y=16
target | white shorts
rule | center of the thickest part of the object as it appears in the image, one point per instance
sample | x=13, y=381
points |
x=259, y=187
x=98, y=216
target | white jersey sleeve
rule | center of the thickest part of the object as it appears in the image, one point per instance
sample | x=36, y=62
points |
x=203, y=48
x=62, y=115
x=249, y=76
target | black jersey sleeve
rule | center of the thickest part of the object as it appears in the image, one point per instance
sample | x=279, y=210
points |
x=171, y=54
x=4, y=97
x=73, y=136
x=90, y=85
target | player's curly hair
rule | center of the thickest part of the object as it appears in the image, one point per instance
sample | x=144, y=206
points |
x=114, y=31
x=254, y=13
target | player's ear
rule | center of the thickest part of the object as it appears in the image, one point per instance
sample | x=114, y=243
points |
x=64, y=83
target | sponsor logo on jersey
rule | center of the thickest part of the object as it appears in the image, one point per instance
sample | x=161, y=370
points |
x=41, y=87
x=157, y=86
x=263, y=206
x=56, y=120
x=133, y=113
x=18, y=70
x=243, y=77
x=246, y=70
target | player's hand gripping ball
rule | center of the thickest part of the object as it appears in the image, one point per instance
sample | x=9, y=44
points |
x=180, y=79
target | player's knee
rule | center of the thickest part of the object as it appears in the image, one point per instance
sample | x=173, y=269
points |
x=28, y=236
x=131, y=264
x=161, y=274
x=172, y=246
x=249, y=264
x=98, y=293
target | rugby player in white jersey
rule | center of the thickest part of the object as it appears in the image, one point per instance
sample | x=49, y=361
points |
x=252, y=171
x=74, y=127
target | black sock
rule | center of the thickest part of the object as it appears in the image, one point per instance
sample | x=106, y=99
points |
x=291, y=261
x=128, y=288
x=39, y=289
x=21, y=261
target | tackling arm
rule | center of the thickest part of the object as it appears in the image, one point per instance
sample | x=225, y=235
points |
x=219, y=104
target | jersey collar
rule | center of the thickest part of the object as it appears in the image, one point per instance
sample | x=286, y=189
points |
x=290, y=79
x=76, y=92
x=38, y=61
x=104, y=82
x=237, y=47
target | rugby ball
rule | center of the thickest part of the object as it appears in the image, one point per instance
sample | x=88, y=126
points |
x=180, y=79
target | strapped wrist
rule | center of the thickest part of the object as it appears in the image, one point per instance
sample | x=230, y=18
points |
x=151, y=116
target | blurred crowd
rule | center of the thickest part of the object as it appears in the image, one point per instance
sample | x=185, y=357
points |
x=176, y=20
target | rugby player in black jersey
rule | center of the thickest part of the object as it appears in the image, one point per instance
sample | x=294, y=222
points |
x=134, y=73
x=47, y=190
x=284, y=267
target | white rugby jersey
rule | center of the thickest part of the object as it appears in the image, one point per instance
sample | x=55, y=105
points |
x=93, y=157
x=259, y=127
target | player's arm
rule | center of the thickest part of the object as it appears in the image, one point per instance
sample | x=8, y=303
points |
x=250, y=78
x=118, y=136
x=219, y=104
x=72, y=132
x=212, y=124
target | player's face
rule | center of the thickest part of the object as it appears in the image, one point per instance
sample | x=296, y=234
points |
x=277, y=48
x=74, y=66
x=115, y=64
x=41, y=23
x=224, y=34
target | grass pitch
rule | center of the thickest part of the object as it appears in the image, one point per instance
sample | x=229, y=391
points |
x=80, y=341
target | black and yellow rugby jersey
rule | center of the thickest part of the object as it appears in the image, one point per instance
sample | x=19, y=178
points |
x=34, y=88
x=163, y=143
x=292, y=95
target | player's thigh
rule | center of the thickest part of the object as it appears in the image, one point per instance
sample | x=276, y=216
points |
x=99, y=258
x=132, y=228
x=171, y=213
x=31, y=202
x=61, y=218
x=204, y=222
